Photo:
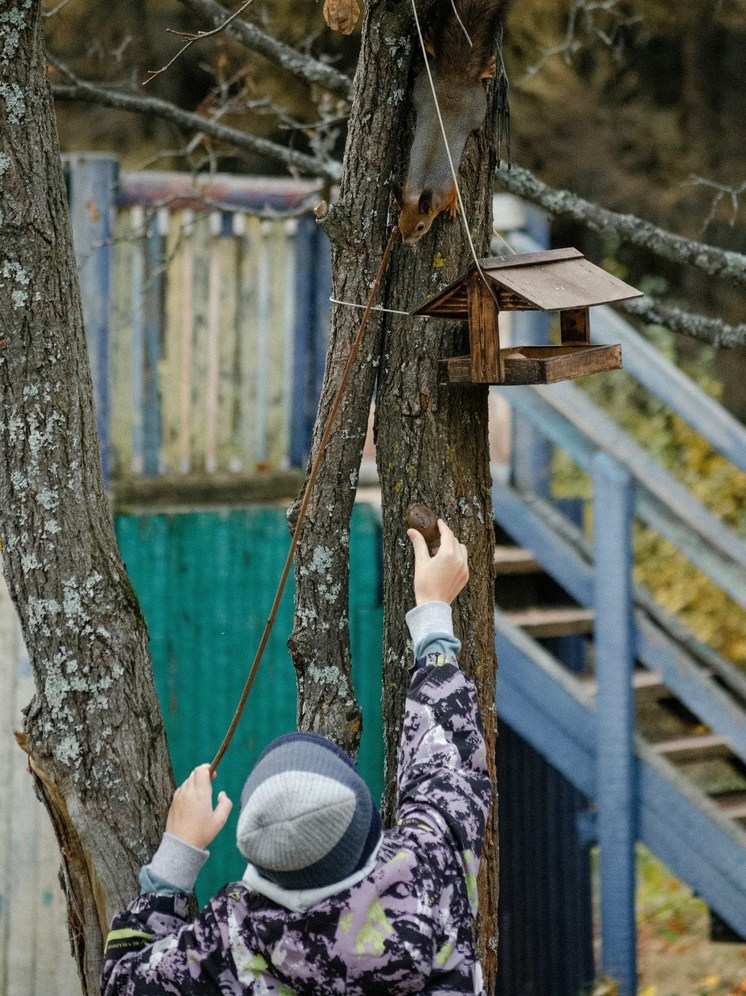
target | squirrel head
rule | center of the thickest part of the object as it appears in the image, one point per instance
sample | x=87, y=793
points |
x=417, y=211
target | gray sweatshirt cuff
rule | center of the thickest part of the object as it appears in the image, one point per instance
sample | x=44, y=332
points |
x=177, y=862
x=430, y=617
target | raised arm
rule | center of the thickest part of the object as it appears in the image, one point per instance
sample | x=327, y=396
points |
x=443, y=766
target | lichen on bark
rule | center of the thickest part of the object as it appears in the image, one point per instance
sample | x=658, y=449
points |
x=93, y=732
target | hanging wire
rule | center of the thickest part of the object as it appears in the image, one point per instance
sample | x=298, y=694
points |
x=378, y=307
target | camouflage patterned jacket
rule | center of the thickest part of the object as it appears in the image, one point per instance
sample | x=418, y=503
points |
x=405, y=927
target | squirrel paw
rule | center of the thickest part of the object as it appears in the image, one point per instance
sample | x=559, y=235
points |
x=491, y=69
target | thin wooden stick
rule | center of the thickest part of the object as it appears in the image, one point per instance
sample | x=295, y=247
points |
x=354, y=350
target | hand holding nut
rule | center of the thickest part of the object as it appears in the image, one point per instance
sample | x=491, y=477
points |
x=439, y=572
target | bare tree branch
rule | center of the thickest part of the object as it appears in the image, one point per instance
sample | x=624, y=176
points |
x=81, y=90
x=193, y=37
x=712, y=331
x=721, y=190
x=581, y=30
x=564, y=204
x=55, y=10
x=309, y=69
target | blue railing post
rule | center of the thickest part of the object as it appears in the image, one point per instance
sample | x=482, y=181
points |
x=155, y=252
x=302, y=342
x=92, y=183
x=615, y=655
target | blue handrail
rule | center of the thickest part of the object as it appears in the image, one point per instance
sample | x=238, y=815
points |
x=707, y=684
x=664, y=379
x=569, y=418
x=549, y=708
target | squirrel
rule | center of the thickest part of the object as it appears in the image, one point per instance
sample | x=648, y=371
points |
x=460, y=42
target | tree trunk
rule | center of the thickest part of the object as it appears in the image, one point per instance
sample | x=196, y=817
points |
x=93, y=731
x=432, y=447
x=357, y=227
x=432, y=440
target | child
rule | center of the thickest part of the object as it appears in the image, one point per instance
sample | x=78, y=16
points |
x=329, y=903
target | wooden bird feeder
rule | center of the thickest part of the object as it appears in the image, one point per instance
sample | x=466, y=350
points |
x=557, y=280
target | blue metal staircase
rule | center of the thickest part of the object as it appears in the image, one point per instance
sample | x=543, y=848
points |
x=644, y=783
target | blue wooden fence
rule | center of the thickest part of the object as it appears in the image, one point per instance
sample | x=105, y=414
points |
x=206, y=304
x=91, y=181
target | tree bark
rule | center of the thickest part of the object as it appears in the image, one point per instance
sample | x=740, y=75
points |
x=432, y=447
x=93, y=731
x=357, y=227
x=432, y=440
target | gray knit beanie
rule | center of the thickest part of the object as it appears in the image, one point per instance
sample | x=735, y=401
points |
x=307, y=817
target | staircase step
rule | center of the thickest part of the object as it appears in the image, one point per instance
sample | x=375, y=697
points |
x=647, y=682
x=644, y=681
x=544, y=623
x=693, y=747
x=516, y=560
x=734, y=807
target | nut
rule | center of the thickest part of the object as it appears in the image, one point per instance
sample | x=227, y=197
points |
x=425, y=521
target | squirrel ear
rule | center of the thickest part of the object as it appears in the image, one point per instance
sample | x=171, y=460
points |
x=425, y=202
x=396, y=191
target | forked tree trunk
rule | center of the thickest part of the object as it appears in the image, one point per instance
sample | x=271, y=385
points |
x=432, y=440
x=357, y=227
x=93, y=731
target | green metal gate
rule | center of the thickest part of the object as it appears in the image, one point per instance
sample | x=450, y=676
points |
x=205, y=581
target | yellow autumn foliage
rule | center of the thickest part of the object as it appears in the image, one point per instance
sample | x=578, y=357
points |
x=676, y=583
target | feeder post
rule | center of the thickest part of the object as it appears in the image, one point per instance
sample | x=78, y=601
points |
x=484, y=332
x=575, y=326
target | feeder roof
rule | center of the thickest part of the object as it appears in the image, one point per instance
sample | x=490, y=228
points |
x=554, y=280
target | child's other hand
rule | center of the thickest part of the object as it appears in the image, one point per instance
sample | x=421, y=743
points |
x=439, y=578
x=191, y=816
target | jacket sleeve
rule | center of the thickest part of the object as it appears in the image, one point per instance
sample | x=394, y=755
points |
x=443, y=774
x=174, y=867
x=155, y=947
